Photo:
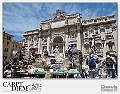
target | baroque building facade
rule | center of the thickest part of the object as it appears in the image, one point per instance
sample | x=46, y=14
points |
x=62, y=30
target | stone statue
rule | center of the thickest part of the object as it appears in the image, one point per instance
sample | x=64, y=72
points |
x=56, y=50
x=66, y=21
x=78, y=19
x=58, y=15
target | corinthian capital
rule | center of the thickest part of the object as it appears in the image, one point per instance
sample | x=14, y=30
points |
x=48, y=33
x=39, y=35
x=29, y=38
x=78, y=27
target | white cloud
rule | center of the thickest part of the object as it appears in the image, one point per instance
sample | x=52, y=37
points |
x=20, y=17
x=18, y=34
x=104, y=9
x=95, y=13
x=74, y=9
x=86, y=14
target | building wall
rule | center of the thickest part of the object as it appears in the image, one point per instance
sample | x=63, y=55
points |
x=106, y=31
x=7, y=38
x=72, y=29
x=63, y=29
x=16, y=46
x=8, y=47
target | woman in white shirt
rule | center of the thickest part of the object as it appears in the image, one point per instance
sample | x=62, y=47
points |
x=8, y=72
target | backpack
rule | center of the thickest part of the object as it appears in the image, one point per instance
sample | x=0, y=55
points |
x=91, y=61
x=109, y=61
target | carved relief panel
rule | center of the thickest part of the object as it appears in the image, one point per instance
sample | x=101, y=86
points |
x=72, y=36
x=44, y=40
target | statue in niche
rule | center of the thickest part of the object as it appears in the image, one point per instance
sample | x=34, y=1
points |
x=45, y=52
x=72, y=37
x=56, y=51
x=44, y=40
x=40, y=26
x=78, y=19
x=66, y=21
x=49, y=25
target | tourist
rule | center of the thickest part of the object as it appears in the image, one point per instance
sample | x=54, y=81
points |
x=8, y=73
x=92, y=62
x=110, y=63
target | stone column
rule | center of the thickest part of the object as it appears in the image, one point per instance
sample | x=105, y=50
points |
x=66, y=40
x=52, y=48
x=64, y=49
x=39, y=44
x=10, y=51
x=79, y=40
x=29, y=46
x=110, y=29
x=104, y=49
x=48, y=42
x=102, y=31
x=115, y=38
x=34, y=39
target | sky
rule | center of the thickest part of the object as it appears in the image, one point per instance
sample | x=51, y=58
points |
x=20, y=17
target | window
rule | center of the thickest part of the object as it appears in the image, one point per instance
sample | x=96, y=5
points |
x=98, y=48
x=13, y=45
x=110, y=48
x=86, y=33
x=16, y=46
x=105, y=19
x=5, y=57
x=32, y=39
x=96, y=31
x=87, y=49
x=107, y=29
x=6, y=50
x=8, y=37
x=7, y=43
x=95, y=21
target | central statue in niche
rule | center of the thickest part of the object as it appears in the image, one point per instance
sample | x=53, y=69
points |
x=56, y=51
x=57, y=55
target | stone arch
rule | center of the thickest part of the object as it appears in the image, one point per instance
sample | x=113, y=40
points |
x=62, y=36
x=58, y=41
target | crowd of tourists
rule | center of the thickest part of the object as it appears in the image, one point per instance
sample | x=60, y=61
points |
x=93, y=65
